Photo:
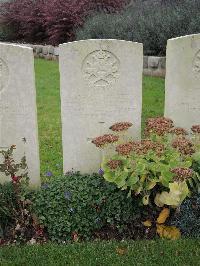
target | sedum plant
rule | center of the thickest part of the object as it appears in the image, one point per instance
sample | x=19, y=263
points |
x=159, y=168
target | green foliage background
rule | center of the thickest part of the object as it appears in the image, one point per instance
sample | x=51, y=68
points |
x=149, y=22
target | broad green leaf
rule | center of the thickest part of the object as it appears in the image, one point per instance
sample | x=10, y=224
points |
x=110, y=177
x=151, y=185
x=178, y=192
x=196, y=156
x=133, y=179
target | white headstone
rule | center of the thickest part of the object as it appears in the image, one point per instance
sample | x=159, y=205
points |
x=101, y=84
x=182, y=89
x=18, y=118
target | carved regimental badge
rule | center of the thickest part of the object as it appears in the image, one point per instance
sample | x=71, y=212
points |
x=196, y=63
x=4, y=73
x=101, y=68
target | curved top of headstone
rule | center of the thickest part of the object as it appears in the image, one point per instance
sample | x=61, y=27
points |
x=17, y=46
x=191, y=36
x=182, y=90
x=186, y=53
x=102, y=40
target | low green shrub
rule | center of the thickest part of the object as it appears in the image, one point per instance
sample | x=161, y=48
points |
x=151, y=23
x=187, y=218
x=105, y=26
x=6, y=32
x=8, y=205
x=77, y=206
x=3, y=35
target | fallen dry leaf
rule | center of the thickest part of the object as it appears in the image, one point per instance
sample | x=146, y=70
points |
x=121, y=251
x=147, y=223
x=163, y=216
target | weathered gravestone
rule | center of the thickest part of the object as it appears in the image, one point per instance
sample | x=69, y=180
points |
x=101, y=83
x=182, y=89
x=18, y=119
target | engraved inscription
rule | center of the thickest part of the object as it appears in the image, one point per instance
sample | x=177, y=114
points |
x=81, y=106
x=101, y=68
x=196, y=63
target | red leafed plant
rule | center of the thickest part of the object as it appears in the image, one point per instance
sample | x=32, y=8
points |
x=18, y=223
x=62, y=16
x=51, y=21
x=25, y=18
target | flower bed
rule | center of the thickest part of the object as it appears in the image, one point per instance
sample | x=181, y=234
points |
x=143, y=189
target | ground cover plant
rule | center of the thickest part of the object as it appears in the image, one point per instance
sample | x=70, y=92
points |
x=187, y=217
x=79, y=207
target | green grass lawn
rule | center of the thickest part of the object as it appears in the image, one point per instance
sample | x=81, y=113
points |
x=49, y=119
x=48, y=101
x=167, y=253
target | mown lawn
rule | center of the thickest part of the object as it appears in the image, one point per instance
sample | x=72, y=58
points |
x=49, y=119
x=167, y=253
x=48, y=101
